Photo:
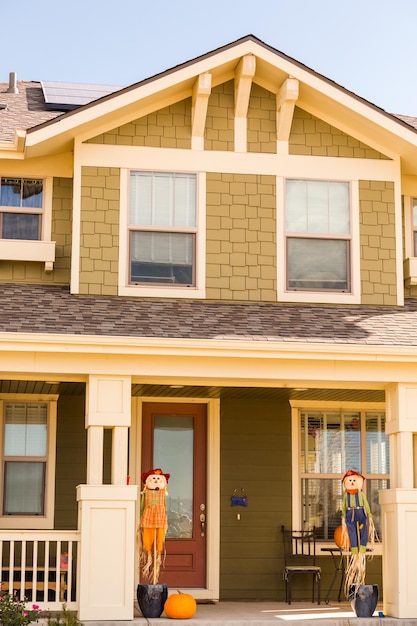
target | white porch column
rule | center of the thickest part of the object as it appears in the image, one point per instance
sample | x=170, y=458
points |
x=106, y=513
x=399, y=505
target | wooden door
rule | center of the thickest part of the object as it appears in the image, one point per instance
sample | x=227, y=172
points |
x=174, y=439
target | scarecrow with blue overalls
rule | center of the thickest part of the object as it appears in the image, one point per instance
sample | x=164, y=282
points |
x=358, y=528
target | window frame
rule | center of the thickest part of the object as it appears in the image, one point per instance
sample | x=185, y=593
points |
x=37, y=250
x=161, y=290
x=353, y=262
x=45, y=521
x=298, y=406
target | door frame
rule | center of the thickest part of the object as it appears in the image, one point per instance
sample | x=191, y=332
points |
x=212, y=589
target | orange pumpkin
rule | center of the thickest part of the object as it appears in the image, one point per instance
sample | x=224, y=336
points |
x=341, y=541
x=180, y=606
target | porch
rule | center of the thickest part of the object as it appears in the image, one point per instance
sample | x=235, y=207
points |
x=264, y=613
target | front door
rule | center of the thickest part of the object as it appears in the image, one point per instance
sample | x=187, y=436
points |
x=174, y=439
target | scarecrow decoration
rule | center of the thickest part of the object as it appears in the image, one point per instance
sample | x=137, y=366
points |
x=153, y=523
x=357, y=528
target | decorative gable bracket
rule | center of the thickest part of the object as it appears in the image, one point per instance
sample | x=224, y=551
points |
x=244, y=74
x=286, y=99
x=201, y=94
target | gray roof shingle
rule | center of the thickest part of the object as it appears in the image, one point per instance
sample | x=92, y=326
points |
x=52, y=309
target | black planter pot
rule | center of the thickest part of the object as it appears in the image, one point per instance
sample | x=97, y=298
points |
x=363, y=599
x=151, y=599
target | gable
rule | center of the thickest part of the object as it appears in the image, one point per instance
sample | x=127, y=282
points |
x=252, y=65
x=315, y=137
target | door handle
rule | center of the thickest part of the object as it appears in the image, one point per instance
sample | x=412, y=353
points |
x=202, y=524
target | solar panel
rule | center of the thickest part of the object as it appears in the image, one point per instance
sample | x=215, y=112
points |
x=68, y=96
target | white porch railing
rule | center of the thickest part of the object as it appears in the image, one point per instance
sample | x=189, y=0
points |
x=40, y=566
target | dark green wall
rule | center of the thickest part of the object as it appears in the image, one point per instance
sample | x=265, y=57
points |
x=71, y=455
x=256, y=455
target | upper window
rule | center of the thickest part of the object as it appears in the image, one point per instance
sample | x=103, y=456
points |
x=162, y=229
x=331, y=442
x=21, y=208
x=318, y=236
x=28, y=439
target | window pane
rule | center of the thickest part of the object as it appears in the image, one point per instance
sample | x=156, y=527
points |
x=162, y=257
x=32, y=194
x=330, y=442
x=25, y=430
x=17, y=192
x=322, y=503
x=377, y=445
x=24, y=488
x=318, y=264
x=162, y=199
x=174, y=451
x=319, y=207
x=20, y=226
x=296, y=206
x=339, y=213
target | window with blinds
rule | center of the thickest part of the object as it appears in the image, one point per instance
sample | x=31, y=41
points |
x=24, y=458
x=162, y=228
x=331, y=442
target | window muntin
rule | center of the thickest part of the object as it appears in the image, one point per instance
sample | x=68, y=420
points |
x=21, y=208
x=162, y=228
x=318, y=235
x=331, y=443
x=25, y=444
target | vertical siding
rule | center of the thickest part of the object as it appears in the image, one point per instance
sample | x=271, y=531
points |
x=255, y=455
x=377, y=242
x=241, y=237
x=71, y=451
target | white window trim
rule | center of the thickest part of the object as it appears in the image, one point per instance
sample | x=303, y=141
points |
x=285, y=295
x=42, y=250
x=124, y=289
x=37, y=522
x=296, y=407
x=410, y=261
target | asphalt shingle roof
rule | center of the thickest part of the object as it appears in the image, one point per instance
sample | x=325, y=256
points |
x=22, y=110
x=52, y=309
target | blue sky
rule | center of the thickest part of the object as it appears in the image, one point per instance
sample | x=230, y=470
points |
x=367, y=46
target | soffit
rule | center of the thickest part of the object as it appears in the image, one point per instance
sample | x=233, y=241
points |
x=65, y=388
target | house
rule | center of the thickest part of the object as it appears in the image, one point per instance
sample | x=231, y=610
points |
x=212, y=271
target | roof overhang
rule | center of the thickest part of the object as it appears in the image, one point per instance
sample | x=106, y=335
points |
x=318, y=95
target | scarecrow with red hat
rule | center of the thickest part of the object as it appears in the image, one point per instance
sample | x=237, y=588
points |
x=153, y=522
x=358, y=527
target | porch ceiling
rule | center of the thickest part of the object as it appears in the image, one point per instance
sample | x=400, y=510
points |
x=188, y=391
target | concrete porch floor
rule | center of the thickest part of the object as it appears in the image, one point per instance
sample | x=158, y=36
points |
x=266, y=613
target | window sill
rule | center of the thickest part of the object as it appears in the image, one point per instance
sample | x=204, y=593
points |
x=162, y=292
x=410, y=271
x=25, y=250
